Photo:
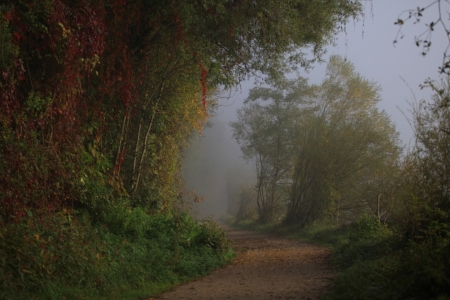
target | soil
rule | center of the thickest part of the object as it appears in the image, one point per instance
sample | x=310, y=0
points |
x=266, y=267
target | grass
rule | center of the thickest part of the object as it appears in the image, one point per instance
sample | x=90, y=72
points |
x=376, y=262
x=126, y=254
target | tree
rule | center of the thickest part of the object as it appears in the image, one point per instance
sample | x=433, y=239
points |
x=427, y=163
x=342, y=144
x=264, y=130
x=316, y=149
x=431, y=163
x=104, y=93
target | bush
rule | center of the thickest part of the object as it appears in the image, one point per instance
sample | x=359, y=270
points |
x=41, y=253
x=377, y=263
x=52, y=256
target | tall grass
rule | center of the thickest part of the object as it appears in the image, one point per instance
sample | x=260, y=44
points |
x=377, y=262
x=126, y=252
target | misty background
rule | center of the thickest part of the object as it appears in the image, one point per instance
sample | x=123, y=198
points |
x=214, y=159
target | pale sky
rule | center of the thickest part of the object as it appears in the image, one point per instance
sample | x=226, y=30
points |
x=370, y=48
x=368, y=44
x=399, y=69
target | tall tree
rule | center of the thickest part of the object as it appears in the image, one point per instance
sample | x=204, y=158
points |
x=342, y=144
x=316, y=148
x=97, y=97
x=264, y=129
x=430, y=205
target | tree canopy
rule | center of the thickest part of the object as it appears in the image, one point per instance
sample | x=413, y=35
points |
x=111, y=89
x=97, y=99
x=317, y=148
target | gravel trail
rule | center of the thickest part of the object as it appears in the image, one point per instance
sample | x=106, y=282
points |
x=266, y=267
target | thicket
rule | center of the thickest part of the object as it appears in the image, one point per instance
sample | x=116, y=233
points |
x=129, y=253
x=375, y=261
x=399, y=248
x=97, y=99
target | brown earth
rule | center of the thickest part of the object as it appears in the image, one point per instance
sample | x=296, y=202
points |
x=266, y=267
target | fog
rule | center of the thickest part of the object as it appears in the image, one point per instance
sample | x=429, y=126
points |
x=208, y=167
x=399, y=69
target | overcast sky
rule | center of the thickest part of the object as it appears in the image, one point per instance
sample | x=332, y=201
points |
x=368, y=44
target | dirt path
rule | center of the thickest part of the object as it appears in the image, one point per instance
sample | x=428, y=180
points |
x=266, y=267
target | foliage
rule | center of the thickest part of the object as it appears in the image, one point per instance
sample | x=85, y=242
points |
x=407, y=256
x=128, y=82
x=64, y=255
x=380, y=264
x=317, y=149
x=97, y=98
x=344, y=146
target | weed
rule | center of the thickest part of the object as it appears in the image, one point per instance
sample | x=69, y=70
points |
x=67, y=256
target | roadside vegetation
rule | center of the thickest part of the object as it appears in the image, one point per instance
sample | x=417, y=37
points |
x=373, y=261
x=330, y=170
x=127, y=254
x=98, y=99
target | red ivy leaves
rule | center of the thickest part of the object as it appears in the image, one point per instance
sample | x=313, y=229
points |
x=82, y=57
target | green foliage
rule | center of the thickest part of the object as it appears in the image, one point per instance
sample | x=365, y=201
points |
x=319, y=151
x=36, y=107
x=8, y=51
x=42, y=253
x=51, y=256
x=392, y=269
x=367, y=239
x=324, y=233
x=260, y=35
x=96, y=101
x=367, y=228
x=375, y=262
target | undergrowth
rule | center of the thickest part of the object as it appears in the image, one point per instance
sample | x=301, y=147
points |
x=125, y=254
x=377, y=262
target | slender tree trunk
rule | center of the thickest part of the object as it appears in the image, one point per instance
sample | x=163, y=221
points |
x=122, y=142
x=137, y=167
x=378, y=208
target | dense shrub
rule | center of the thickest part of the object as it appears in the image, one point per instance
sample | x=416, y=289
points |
x=51, y=256
x=376, y=262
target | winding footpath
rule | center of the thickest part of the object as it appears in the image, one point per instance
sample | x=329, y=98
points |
x=266, y=267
